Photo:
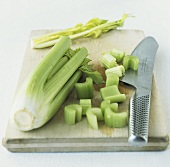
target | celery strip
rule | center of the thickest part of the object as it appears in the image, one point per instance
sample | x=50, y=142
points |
x=85, y=104
x=131, y=62
x=112, y=79
x=94, y=115
x=72, y=113
x=85, y=90
x=115, y=120
x=93, y=28
x=112, y=93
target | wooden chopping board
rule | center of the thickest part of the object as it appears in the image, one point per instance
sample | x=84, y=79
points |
x=57, y=136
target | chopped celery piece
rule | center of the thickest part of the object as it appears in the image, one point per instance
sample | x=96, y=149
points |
x=119, y=70
x=112, y=93
x=85, y=104
x=108, y=61
x=72, y=113
x=118, y=54
x=94, y=115
x=112, y=79
x=85, y=90
x=93, y=28
x=115, y=120
x=106, y=103
x=114, y=107
x=131, y=62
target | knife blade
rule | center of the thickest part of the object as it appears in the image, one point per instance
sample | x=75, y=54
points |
x=142, y=81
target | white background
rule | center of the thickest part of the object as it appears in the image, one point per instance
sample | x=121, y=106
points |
x=19, y=17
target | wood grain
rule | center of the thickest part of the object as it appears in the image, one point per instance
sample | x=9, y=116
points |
x=56, y=136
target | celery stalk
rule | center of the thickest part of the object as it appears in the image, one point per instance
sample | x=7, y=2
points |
x=94, y=28
x=85, y=104
x=38, y=100
x=131, y=62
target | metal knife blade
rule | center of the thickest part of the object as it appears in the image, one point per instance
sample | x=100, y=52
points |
x=142, y=81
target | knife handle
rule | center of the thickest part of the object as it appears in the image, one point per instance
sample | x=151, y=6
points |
x=139, y=120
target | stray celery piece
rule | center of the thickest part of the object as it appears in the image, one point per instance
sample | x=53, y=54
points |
x=112, y=93
x=131, y=62
x=115, y=120
x=106, y=103
x=108, y=61
x=85, y=90
x=119, y=70
x=94, y=115
x=85, y=104
x=118, y=54
x=72, y=113
x=112, y=79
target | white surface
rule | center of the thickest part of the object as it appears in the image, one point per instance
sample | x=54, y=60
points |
x=19, y=17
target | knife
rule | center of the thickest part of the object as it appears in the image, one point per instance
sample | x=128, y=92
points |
x=142, y=81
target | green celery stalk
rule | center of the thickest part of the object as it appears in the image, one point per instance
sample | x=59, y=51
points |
x=94, y=28
x=38, y=100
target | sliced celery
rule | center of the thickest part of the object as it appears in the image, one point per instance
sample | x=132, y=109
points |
x=85, y=90
x=104, y=104
x=131, y=62
x=115, y=120
x=108, y=61
x=94, y=115
x=119, y=70
x=112, y=79
x=118, y=54
x=85, y=104
x=72, y=113
x=107, y=104
x=112, y=93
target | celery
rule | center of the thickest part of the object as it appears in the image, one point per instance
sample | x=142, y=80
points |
x=119, y=70
x=85, y=104
x=108, y=61
x=112, y=93
x=112, y=79
x=85, y=90
x=38, y=99
x=115, y=120
x=118, y=54
x=94, y=115
x=72, y=113
x=93, y=28
x=131, y=62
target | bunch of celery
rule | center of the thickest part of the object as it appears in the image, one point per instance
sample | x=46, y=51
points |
x=93, y=28
x=47, y=86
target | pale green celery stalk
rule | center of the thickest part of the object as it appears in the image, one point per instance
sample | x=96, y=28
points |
x=34, y=105
x=93, y=32
x=119, y=70
x=108, y=61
